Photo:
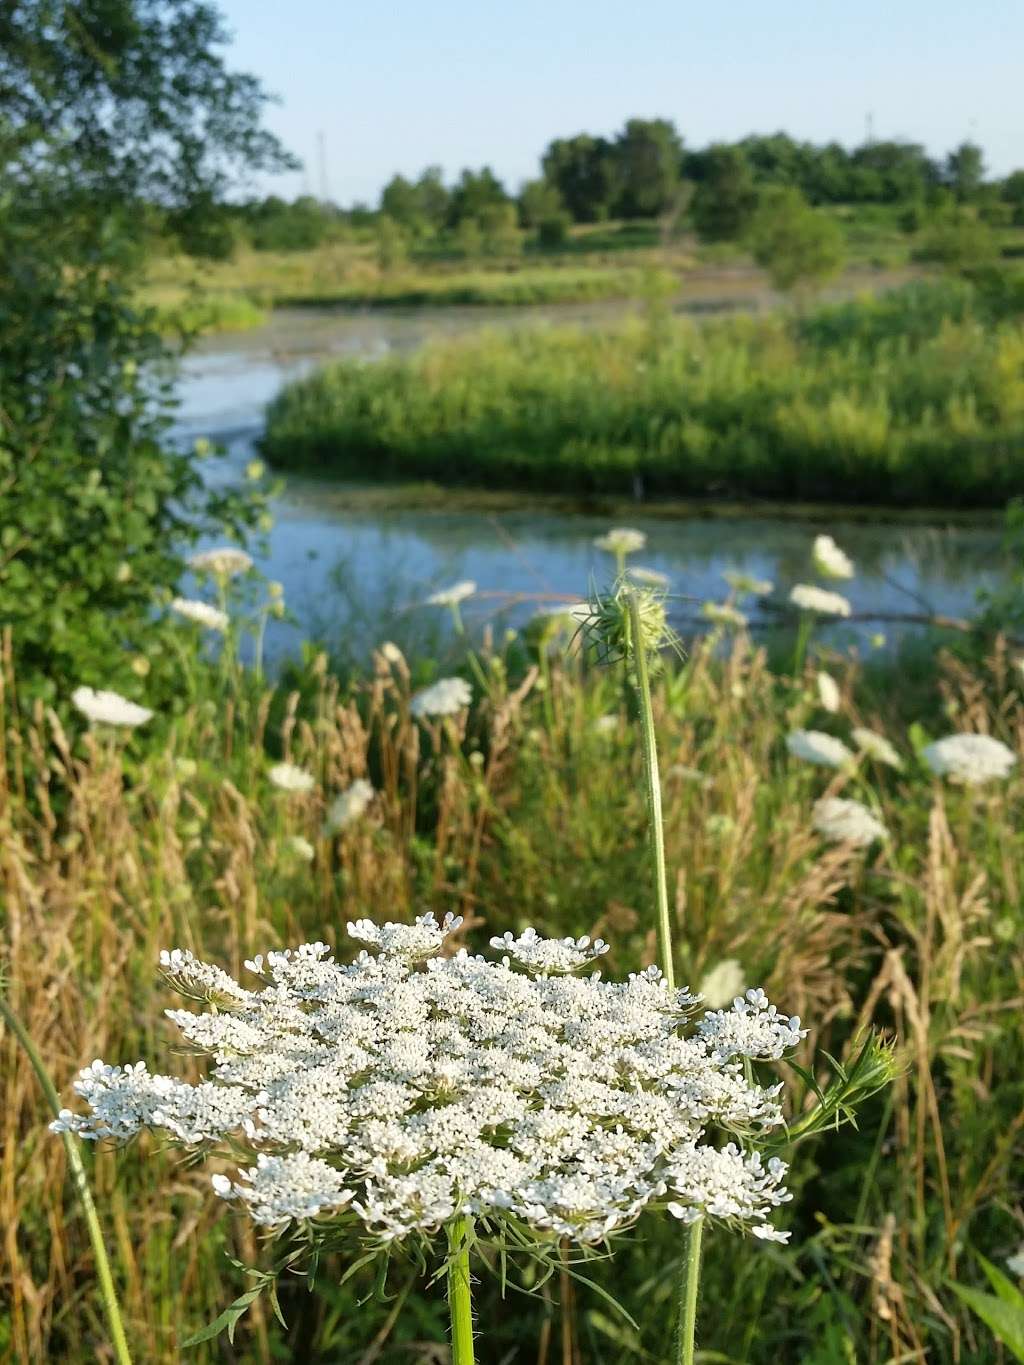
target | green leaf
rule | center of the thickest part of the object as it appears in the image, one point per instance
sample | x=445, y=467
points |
x=228, y=1320
x=1004, y=1320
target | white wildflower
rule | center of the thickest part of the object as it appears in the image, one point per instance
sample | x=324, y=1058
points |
x=809, y=598
x=1015, y=1263
x=290, y=778
x=606, y=725
x=876, y=746
x=648, y=578
x=816, y=747
x=969, y=759
x=227, y=562
x=201, y=612
x=828, y=692
x=538, y=954
x=446, y=697
x=846, y=822
x=722, y=614
x=302, y=848
x=451, y=597
x=390, y=651
x=349, y=806
x=747, y=583
x=621, y=540
x=829, y=560
x=109, y=708
x=722, y=984
x=405, y=1088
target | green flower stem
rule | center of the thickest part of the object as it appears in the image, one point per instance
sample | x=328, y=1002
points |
x=460, y=1294
x=685, y=1338
x=689, y=1277
x=650, y=748
x=118, y=1340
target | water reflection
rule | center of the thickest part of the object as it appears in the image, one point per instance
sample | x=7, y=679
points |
x=354, y=573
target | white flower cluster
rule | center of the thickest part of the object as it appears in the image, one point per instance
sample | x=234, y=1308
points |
x=349, y=806
x=846, y=822
x=446, y=697
x=829, y=560
x=876, y=746
x=828, y=692
x=971, y=760
x=288, y=777
x=451, y=597
x=201, y=613
x=621, y=540
x=109, y=708
x=724, y=614
x=809, y=598
x=402, y=1089
x=814, y=746
x=226, y=562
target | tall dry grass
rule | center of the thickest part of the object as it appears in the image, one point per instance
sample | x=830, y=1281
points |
x=528, y=809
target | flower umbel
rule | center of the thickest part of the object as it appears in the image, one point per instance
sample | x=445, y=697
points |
x=109, y=708
x=402, y=1090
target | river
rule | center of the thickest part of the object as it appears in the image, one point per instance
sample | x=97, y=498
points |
x=356, y=562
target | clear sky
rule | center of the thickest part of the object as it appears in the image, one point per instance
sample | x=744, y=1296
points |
x=398, y=86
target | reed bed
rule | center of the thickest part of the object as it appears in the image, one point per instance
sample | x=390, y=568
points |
x=910, y=399
x=529, y=808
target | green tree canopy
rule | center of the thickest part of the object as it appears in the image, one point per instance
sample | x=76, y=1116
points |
x=796, y=244
x=648, y=153
x=726, y=193
x=582, y=169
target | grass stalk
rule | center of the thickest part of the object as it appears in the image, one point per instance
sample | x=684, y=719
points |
x=687, y=1305
x=460, y=1294
x=118, y=1340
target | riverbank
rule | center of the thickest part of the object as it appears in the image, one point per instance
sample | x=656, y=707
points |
x=910, y=399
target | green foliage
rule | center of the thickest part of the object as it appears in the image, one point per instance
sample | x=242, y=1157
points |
x=553, y=231
x=647, y=155
x=726, y=196
x=965, y=171
x=795, y=244
x=499, y=228
x=914, y=398
x=1001, y=1312
x=960, y=241
x=539, y=201
x=108, y=109
x=582, y=170
x=475, y=192
x=392, y=244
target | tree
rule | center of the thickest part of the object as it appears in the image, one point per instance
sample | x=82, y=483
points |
x=891, y=172
x=109, y=109
x=499, y=225
x=647, y=154
x=1013, y=194
x=475, y=191
x=959, y=241
x=400, y=202
x=965, y=170
x=433, y=197
x=539, y=200
x=726, y=194
x=796, y=244
x=582, y=169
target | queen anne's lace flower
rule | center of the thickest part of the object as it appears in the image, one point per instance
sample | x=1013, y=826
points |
x=809, y=598
x=547, y=955
x=969, y=759
x=648, y=578
x=349, y=806
x=290, y=778
x=828, y=692
x=621, y=540
x=201, y=612
x=722, y=984
x=1015, y=1263
x=747, y=583
x=814, y=746
x=829, y=560
x=109, y=708
x=403, y=1089
x=876, y=746
x=451, y=597
x=847, y=822
x=227, y=562
x=446, y=697
x=722, y=614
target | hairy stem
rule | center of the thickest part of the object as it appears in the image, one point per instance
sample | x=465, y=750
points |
x=460, y=1294
x=118, y=1340
x=650, y=749
x=689, y=1285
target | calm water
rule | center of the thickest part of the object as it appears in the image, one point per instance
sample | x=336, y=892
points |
x=354, y=572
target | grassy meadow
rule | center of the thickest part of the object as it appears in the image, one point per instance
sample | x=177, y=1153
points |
x=913, y=398
x=529, y=809
x=614, y=260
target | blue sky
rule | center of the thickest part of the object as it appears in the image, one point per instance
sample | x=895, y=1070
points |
x=397, y=86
